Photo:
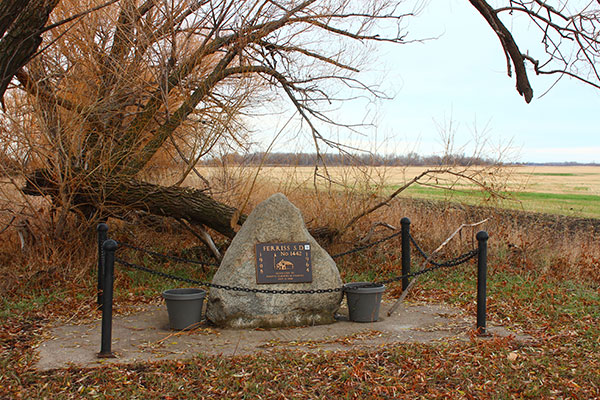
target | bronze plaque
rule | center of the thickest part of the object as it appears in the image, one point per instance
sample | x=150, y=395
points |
x=283, y=263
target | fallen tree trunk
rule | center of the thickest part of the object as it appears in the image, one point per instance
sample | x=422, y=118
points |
x=190, y=204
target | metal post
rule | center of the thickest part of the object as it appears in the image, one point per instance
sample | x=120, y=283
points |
x=102, y=236
x=109, y=247
x=405, y=231
x=482, y=238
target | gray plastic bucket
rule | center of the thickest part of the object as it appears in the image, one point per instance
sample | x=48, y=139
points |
x=363, y=299
x=184, y=307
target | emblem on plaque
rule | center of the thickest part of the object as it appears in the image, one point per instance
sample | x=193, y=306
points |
x=283, y=263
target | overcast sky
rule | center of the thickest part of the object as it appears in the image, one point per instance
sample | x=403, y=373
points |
x=461, y=78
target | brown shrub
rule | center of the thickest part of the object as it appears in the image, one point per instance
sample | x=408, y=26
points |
x=520, y=242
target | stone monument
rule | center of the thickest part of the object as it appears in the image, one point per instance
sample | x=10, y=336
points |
x=275, y=248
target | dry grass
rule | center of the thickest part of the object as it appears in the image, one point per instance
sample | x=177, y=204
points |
x=520, y=241
x=573, y=191
x=543, y=281
x=566, y=180
x=539, y=179
x=547, y=245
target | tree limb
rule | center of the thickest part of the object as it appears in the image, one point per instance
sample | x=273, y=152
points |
x=22, y=38
x=509, y=45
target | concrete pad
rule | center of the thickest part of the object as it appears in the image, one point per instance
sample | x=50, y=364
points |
x=145, y=336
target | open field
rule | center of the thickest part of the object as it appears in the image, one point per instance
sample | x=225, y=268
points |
x=571, y=191
x=563, y=180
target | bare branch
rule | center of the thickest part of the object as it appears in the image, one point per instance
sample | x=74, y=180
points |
x=509, y=45
x=22, y=39
x=392, y=196
x=9, y=224
x=571, y=40
x=165, y=131
x=78, y=15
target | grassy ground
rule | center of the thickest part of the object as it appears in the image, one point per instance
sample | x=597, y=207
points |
x=570, y=204
x=543, y=281
x=561, y=314
x=561, y=362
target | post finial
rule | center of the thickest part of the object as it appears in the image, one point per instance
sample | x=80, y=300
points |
x=110, y=245
x=482, y=236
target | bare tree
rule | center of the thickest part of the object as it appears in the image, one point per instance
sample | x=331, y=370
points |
x=120, y=85
x=135, y=82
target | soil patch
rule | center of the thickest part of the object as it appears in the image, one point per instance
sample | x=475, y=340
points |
x=552, y=222
x=145, y=336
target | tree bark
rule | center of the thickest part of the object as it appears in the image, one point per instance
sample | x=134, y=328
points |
x=190, y=204
x=23, y=25
x=509, y=45
x=9, y=11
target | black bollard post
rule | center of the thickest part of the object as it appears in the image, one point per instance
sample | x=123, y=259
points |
x=405, y=231
x=482, y=238
x=102, y=236
x=109, y=247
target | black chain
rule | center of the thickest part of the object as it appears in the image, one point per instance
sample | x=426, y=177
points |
x=173, y=258
x=450, y=263
x=455, y=261
x=225, y=287
x=185, y=260
x=436, y=265
x=159, y=273
x=414, y=242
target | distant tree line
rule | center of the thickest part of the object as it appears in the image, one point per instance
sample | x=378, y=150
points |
x=309, y=159
x=560, y=164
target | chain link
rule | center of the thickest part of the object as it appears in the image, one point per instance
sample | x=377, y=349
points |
x=225, y=287
x=436, y=265
x=450, y=263
x=159, y=273
x=186, y=260
x=414, y=242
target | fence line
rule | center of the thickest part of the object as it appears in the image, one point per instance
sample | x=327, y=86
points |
x=108, y=247
x=190, y=261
